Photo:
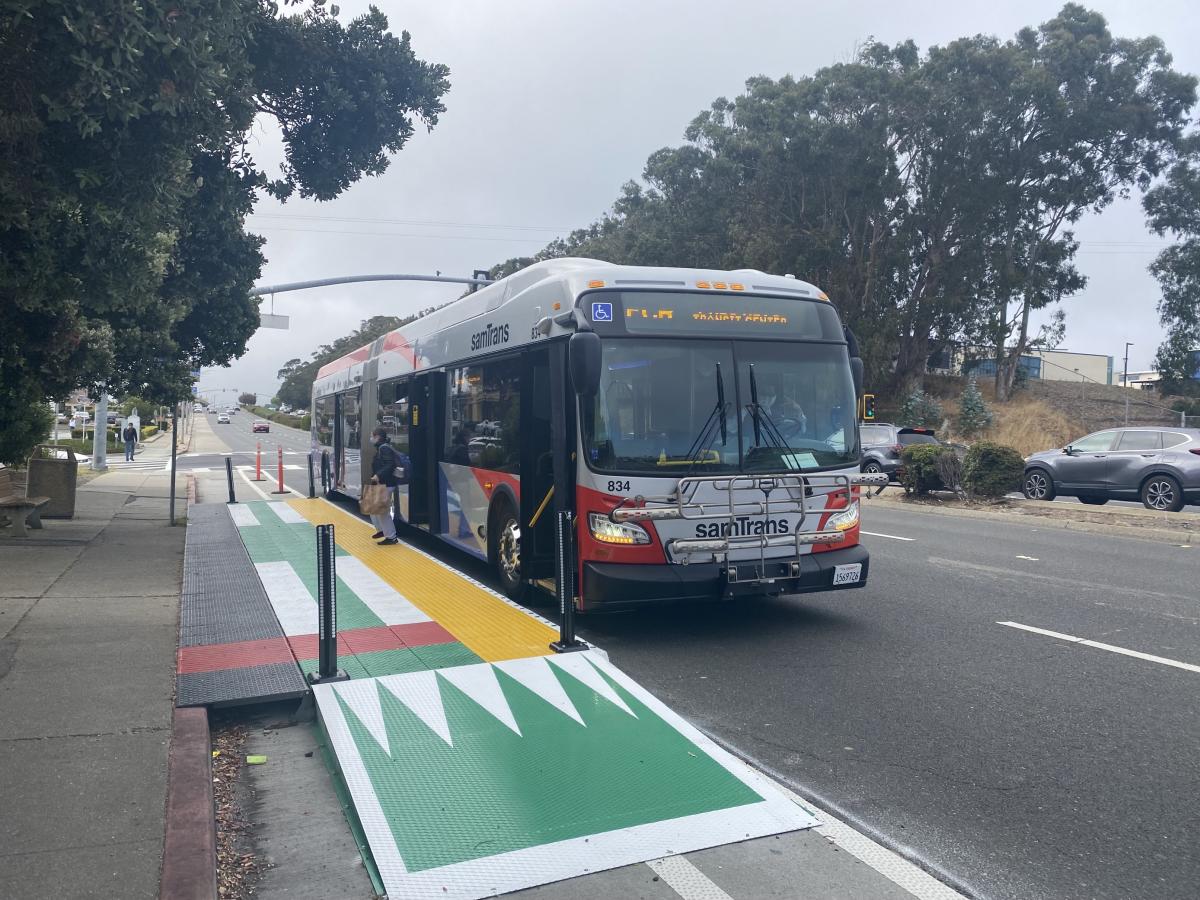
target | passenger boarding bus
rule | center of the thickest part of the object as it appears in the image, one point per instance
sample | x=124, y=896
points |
x=699, y=425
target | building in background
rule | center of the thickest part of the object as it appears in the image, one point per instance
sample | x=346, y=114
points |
x=1037, y=365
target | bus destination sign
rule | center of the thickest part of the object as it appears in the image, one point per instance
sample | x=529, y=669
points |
x=653, y=312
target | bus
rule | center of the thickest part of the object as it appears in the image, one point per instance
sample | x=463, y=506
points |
x=698, y=427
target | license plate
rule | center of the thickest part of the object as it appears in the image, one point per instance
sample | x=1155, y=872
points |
x=850, y=574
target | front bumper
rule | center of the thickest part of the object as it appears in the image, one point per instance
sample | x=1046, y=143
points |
x=612, y=585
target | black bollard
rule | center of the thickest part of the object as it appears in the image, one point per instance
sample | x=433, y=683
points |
x=327, y=669
x=564, y=533
x=312, y=487
x=229, y=478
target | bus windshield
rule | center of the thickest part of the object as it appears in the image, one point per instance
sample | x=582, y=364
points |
x=679, y=406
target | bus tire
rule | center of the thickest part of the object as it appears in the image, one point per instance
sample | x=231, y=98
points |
x=504, y=549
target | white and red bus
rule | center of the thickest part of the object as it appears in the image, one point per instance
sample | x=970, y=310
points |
x=700, y=425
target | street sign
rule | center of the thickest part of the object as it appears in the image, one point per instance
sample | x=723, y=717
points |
x=271, y=320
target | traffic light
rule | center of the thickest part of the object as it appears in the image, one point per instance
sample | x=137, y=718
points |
x=868, y=407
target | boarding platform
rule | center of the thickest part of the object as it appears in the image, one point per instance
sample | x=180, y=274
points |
x=477, y=761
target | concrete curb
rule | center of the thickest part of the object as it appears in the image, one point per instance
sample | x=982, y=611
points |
x=1181, y=532
x=189, y=870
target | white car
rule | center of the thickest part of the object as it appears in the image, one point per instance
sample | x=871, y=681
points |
x=223, y=419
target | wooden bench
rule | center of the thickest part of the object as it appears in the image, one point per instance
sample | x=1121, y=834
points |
x=18, y=509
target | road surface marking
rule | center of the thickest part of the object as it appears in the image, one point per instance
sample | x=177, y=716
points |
x=894, y=537
x=1030, y=558
x=250, y=481
x=242, y=516
x=686, y=880
x=1111, y=648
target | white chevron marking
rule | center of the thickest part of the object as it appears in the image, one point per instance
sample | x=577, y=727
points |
x=479, y=683
x=575, y=665
x=535, y=674
x=419, y=692
x=363, y=698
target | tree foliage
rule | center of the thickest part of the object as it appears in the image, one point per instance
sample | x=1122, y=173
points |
x=1173, y=207
x=931, y=195
x=919, y=409
x=126, y=174
x=974, y=415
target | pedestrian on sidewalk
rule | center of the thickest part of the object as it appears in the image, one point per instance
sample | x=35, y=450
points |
x=383, y=471
x=129, y=435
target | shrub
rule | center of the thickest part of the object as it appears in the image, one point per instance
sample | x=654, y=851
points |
x=992, y=470
x=973, y=413
x=920, y=472
x=149, y=431
x=920, y=409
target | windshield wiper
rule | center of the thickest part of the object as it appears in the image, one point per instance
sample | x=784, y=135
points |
x=714, y=424
x=763, y=423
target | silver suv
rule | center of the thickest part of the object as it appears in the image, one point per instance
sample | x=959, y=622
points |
x=1159, y=466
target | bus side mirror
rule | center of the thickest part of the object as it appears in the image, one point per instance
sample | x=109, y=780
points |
x=583, y=360
x=856, y=371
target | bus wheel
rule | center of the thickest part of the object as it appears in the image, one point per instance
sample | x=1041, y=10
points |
x=505, y=538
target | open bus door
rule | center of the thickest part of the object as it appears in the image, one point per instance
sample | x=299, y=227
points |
x=537, y=467
x=426, y=399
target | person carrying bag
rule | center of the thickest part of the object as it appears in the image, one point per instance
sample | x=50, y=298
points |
x=377, y=495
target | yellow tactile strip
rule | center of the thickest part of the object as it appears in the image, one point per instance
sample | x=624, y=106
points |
x=488, y=625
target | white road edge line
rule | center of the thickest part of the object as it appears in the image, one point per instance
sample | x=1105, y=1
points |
x=894, y=537
x=1111, y=648
x=250, y=481
x=681, y=876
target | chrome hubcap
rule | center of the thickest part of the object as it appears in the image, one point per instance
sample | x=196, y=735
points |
x=509, y=550
x=1036, y=486
x=1161, y=494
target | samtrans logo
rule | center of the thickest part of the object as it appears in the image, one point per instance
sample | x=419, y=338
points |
x=490, y=336
x=743, y=526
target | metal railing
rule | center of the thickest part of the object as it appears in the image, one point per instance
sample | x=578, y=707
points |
x=782, y=495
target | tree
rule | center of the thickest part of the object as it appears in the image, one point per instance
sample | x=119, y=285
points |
x=920, y=409
x=126, y=174
x=974, y=415
x=1083, y=118
x=1173, y=207
x=248, y=399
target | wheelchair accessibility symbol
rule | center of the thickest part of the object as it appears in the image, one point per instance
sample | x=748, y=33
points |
x=602, y=312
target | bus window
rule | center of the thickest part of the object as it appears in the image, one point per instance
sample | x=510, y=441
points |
x=392, y=415
x=655, y=411
x=485, y=416
x=323, y=422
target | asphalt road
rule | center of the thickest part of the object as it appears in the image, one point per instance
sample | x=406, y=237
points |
x=238, y=442
x=1023, y=765
x=1019, y=764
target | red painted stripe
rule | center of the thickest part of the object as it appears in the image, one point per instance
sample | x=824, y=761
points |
x=420, y=634
x=237, y=655
x=241, y=654
x=368, y=640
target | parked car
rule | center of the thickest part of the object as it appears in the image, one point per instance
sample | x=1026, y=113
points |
x=1159, y=466
x=882, y=444
x=223, y=419
x=260, y=426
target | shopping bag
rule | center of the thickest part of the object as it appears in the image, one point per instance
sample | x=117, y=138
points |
x=376, y=499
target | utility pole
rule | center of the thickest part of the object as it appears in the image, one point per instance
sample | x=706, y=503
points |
x=1125, y=377
x=100, y=434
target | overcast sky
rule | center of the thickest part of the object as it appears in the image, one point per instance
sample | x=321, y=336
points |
x=553, y=105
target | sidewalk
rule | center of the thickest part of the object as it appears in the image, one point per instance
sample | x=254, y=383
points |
x=88, y=613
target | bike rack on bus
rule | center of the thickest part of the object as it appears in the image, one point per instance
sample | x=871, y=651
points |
x=797, y=490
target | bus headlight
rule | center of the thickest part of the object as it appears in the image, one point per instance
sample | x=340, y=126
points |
x=844, y=519
x=607, y=531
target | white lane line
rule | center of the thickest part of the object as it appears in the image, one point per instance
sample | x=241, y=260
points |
x=686, y=880
x=242, y=516
x=294, y=606
x=286, y=513
x=1030, y=558
x=894, y=537
x=246, y=478
x=1111, y=648
x=379, y=596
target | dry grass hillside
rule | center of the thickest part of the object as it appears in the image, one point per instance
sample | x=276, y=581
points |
x=1044, y=414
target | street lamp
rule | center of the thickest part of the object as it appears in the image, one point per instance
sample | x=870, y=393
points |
x=1125, y=378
